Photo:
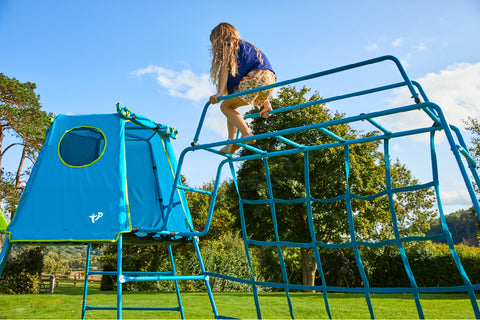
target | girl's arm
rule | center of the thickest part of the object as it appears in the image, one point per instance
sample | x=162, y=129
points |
x=222, y=76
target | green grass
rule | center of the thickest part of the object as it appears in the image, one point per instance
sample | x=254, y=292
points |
x=66, y=303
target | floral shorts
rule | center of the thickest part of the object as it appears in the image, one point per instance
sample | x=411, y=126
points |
x=255, y=79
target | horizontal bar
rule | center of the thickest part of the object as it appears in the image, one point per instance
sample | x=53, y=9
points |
x=124, y=279
x=331, y=134
x=249, y=147
x=333, y=145
x=194, y=190
x=290, y=142
x=376, y=124
x=217, y=152
x=330, y=123
x=331, y=99
x=114, y=273
x=406, y=82
x=134, y=308
x=159, y=231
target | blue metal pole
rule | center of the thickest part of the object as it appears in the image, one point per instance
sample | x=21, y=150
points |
x=458, y=157
x=7, y=246
x=177, y=289
x=207, y=284
x=471, y=164
x=85, y=284
x=119, y=276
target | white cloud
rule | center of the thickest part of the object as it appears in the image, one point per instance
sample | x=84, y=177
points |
x=216, y=121
x=456, y=90
x=195, y=87
x=421, y=46
x=372, y=47
x=456, y=197
x=398, y=42
x=183, y=84
x=396, y=147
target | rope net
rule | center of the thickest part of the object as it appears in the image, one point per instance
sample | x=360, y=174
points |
x=347, y=197
x=348, y=188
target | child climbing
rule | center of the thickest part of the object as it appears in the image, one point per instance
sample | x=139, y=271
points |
x=237, y=66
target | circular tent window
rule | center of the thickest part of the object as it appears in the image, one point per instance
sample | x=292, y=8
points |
x=82, y=146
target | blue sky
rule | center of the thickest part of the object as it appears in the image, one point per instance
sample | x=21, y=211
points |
x=152, y=56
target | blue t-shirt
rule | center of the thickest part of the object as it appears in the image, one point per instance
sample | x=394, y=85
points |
x=247, y=61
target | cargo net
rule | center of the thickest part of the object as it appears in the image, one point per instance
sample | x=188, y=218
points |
x=342, y=196
x=321, y=192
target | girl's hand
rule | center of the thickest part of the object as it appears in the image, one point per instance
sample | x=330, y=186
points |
x=214, y=99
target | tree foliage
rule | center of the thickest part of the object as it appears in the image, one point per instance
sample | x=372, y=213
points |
x=462, y=224
x=223, y=219
x=53, y=264
x=22, y=271
x=22, y=128
x=473, y=125
x=327, y=178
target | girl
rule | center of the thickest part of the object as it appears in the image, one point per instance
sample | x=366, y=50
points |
x=237, y=66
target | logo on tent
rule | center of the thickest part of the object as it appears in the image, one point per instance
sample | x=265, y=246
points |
x=96, y=216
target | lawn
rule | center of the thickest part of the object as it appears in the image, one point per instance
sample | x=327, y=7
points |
x=66, y=303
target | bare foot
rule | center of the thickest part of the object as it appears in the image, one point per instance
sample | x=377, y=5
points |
x=235, y=147
x=227, y=149
x=232, y=148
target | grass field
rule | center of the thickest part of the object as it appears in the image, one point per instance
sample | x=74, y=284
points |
x=66, y=303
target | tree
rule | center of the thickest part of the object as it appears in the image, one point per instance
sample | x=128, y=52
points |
x=22, y=271
x=223, y=220
x=327, y=180
x=463, y=225
x=473, y=125
x=22, y=127
x=53, y=264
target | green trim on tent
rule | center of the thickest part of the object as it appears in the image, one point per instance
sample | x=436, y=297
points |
x=3, y=222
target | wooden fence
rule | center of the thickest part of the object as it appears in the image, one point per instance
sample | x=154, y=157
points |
x=49, y=282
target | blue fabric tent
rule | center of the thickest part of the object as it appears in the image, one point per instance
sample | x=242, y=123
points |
x=98, y=176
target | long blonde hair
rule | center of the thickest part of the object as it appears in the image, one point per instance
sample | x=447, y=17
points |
x=225, y=44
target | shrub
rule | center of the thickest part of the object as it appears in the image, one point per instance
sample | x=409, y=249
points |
x=21, y=273
x=225, y=255
x=432, y=265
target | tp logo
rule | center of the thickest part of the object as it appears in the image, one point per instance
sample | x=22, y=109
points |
x=96, y=216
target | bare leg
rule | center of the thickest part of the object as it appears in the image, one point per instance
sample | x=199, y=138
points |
x=235, y=120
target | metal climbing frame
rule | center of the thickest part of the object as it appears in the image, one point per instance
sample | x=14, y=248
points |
x=123, y=276
x=432, y=110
